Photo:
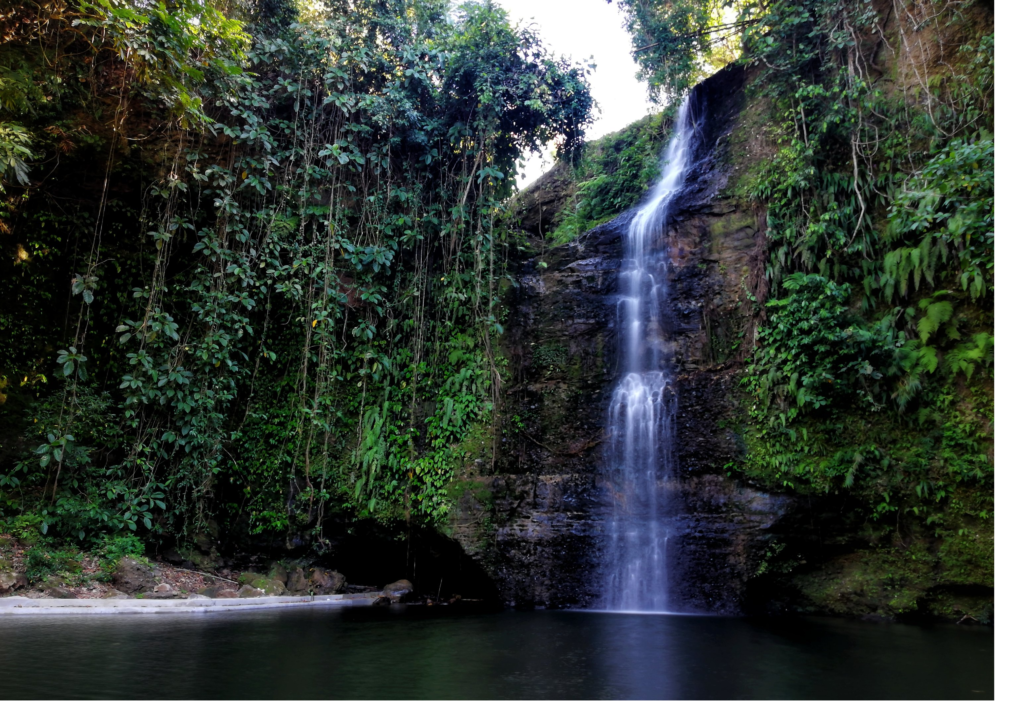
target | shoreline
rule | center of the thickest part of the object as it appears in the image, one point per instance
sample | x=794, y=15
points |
x=24, y=606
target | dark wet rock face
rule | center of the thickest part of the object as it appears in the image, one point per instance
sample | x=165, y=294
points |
x=536, y=207
x=549, y=506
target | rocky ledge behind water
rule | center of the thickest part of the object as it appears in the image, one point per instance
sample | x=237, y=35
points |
x=536, y=521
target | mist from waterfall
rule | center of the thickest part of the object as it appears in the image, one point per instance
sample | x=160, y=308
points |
x=640, y=415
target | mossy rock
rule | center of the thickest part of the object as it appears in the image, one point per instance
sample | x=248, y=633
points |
x=280, y=570
x=249, y=592
x=266, y=584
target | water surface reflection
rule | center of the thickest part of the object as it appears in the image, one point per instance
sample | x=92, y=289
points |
x=430, y=653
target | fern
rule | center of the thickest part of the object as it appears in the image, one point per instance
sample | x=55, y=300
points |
x=947, y=207
x=980, y=350
x=936, y=314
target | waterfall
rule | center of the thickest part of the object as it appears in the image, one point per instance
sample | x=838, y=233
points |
x=640, y=415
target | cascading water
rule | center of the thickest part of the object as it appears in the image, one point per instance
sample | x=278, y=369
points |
x=640, y=416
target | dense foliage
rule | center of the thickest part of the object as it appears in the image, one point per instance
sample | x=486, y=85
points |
x=253, y=264
x=885, y=190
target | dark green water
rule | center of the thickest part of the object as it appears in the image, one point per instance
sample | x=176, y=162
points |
x=430, y=653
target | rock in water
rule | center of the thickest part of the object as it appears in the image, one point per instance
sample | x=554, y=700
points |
x=398, y=591
x=132, y=576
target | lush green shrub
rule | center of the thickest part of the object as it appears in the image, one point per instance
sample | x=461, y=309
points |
x=41, y=561
x=117, y=546
x=25, y=527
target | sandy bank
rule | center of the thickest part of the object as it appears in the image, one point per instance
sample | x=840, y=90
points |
x=21, y=606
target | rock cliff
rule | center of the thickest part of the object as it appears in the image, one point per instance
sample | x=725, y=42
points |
x=534, y=518
x=544, y=505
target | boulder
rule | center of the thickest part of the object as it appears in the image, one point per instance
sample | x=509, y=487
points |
x=326, y=581
x=161, y=591
x=115, y=594
x=194, y=559
x=247, y=591
x=280, y=572
x=10, y=582
x=58, y=593
x=133, y=576
x=198, y=596
x=398, y=591
x=249, y=578
x=297, y=582
x=219, y=591
x=269, y=586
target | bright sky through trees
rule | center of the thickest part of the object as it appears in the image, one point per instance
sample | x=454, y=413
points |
x=584, y=28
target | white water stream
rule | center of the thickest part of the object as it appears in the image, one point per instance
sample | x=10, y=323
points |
x=640, y=416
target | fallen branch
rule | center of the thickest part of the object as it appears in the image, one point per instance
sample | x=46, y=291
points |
x=200, y=572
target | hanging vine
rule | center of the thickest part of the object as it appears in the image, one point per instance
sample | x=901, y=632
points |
x=308, y=321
